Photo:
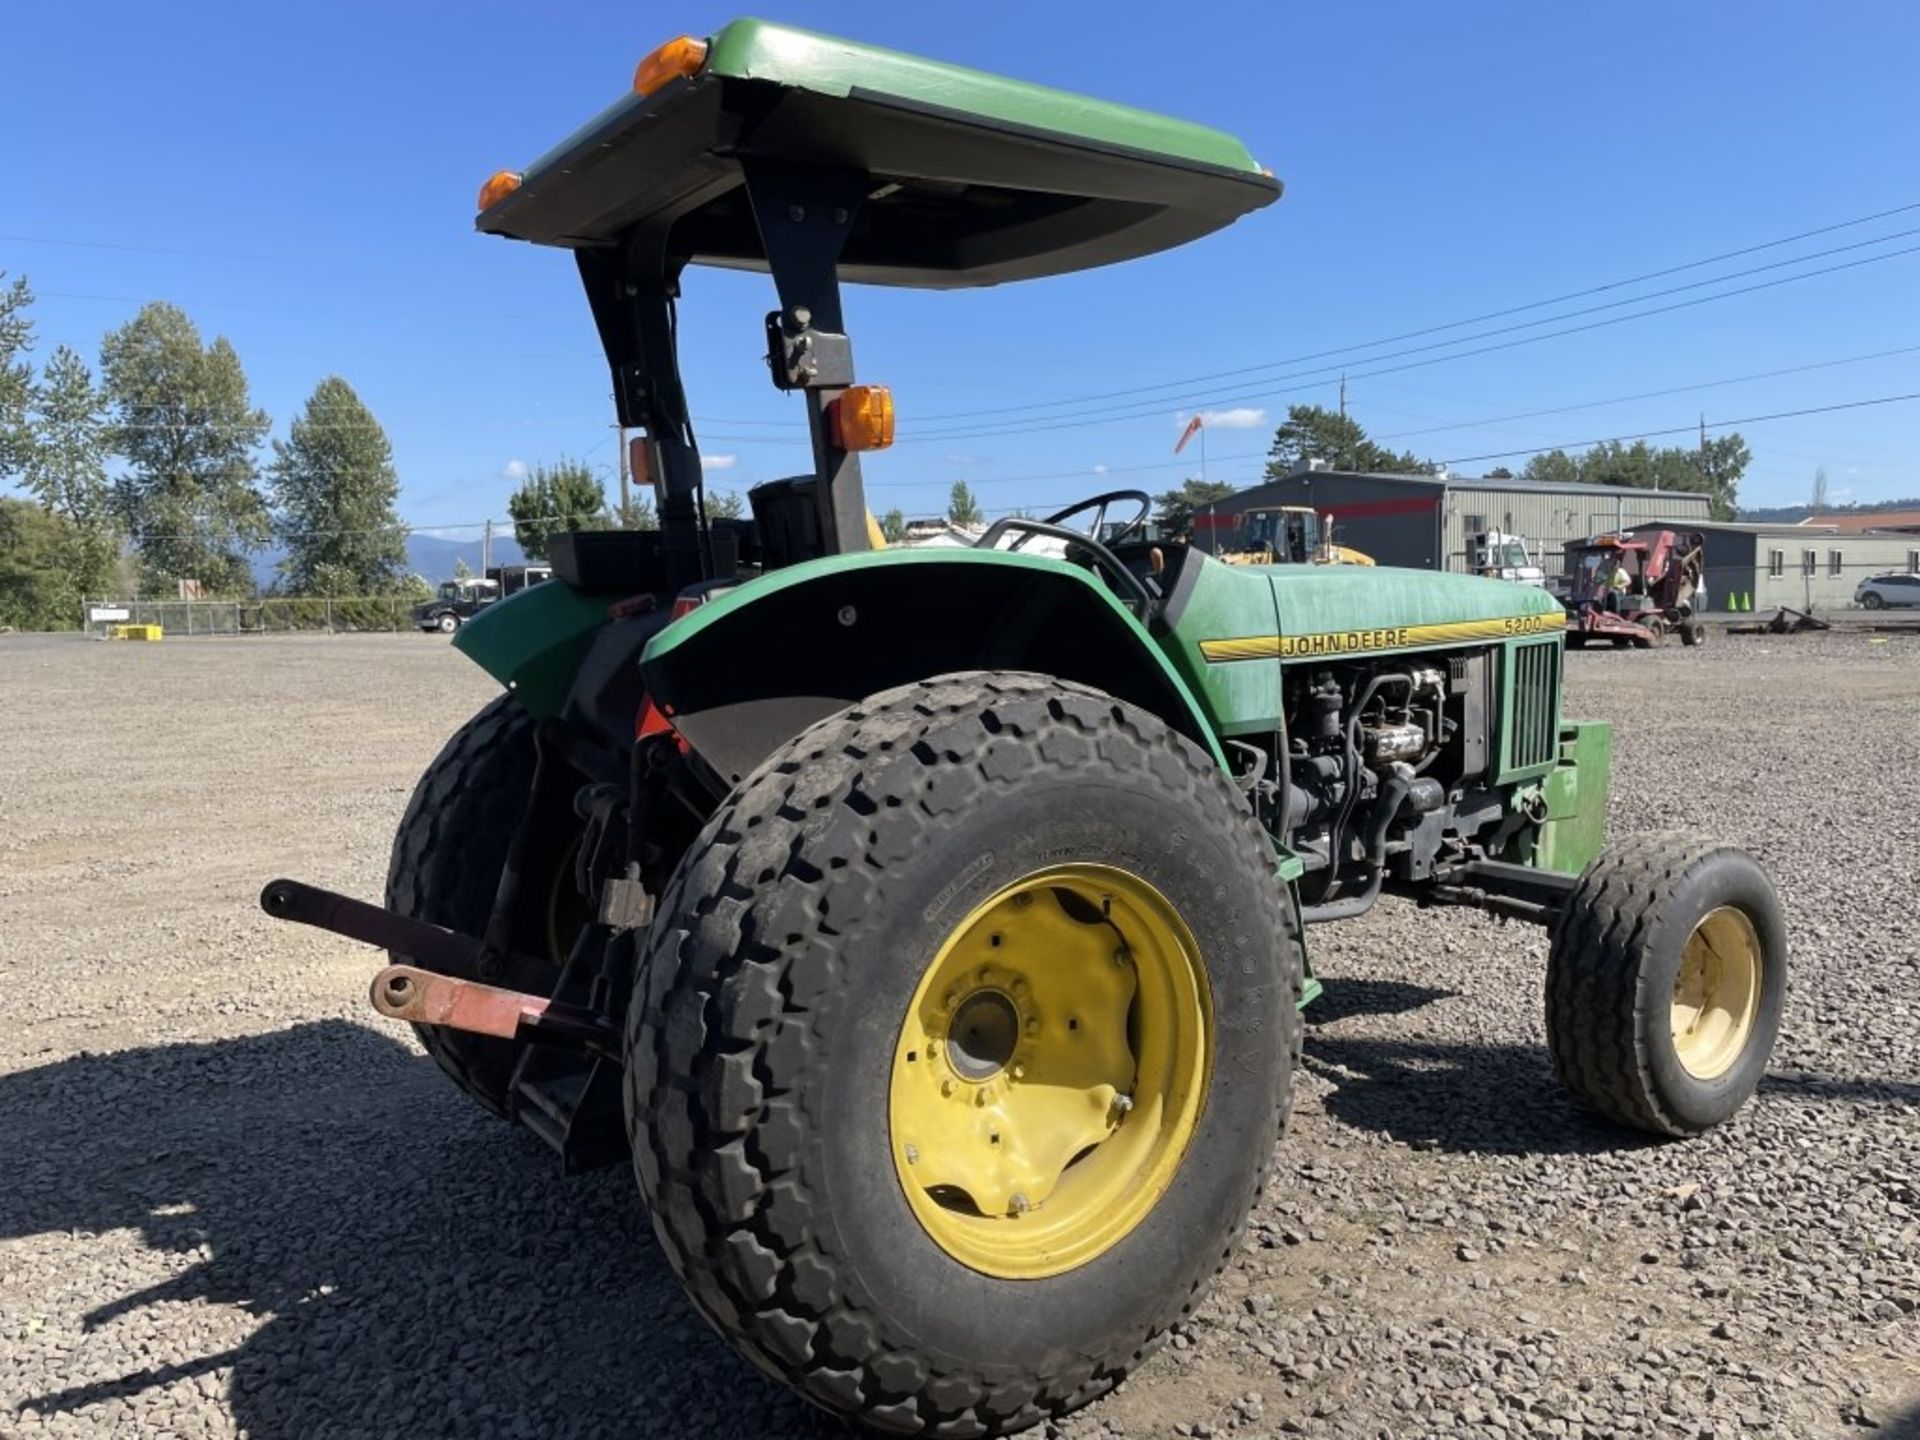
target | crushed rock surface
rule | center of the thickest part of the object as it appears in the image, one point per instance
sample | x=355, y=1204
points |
x=236, y=1203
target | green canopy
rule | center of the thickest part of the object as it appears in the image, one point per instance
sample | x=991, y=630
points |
x=975, y=179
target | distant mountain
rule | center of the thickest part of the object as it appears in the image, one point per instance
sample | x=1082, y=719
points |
x=1794, y=514
x=428, y=556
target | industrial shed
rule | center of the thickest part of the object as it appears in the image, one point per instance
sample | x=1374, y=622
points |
x=1803, y=567
x=1426, y=521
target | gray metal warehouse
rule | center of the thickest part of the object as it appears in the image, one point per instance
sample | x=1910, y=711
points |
x=1425, y=521
x=1803, y=567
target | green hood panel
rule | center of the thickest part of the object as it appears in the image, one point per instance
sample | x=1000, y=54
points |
x=1333, y=610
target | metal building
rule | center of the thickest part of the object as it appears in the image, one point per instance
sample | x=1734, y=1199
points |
x=1427, y=521
x=1803, y=567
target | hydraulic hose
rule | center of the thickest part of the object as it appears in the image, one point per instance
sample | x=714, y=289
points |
x=1386, y=809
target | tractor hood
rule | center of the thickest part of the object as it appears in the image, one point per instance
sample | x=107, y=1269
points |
x=1334, y=610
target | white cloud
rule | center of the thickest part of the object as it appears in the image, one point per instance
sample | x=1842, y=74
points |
x=1241, y=417
x=514, y=470
x=955, y=458
x=718, y=462
x=1099, y=469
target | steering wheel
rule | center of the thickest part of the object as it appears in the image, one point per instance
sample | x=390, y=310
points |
x=1135, y=594
x=1099, y=505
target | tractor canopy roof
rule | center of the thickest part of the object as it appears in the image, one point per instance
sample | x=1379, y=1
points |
x=974, y=179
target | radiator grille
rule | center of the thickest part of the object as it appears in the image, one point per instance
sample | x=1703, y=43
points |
x=1533, y=721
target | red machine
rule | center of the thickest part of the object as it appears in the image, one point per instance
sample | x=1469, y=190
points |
x=1635, y=589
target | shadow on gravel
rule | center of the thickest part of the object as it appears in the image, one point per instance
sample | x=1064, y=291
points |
x=411, y=1265
x=1497, y=1099
x=1805, y=1085
x=1477, y=1099
x=1341, y=999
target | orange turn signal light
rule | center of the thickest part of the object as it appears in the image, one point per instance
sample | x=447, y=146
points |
x=862, y=418
x=500, y=184
x=679, y=59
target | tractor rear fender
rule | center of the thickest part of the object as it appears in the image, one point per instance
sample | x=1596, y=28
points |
x=747, y=672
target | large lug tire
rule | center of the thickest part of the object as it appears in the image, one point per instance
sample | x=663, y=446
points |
x=780, y=1100
x=447, y=857
x=1666, y=978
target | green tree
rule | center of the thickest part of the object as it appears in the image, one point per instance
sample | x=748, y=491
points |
x=637, y=513
x=725, y=505
x=36, y=590
x=66, y=470
x=962, y=508
x=1315, y=433
x=1714, y=469
x=462, y=570
x=189, y=434
x=553, y=500
x=1175, y=509
x=334, y=488
x=893, y=526
x=1552, y=467
x=1722, y=464
x=16, y=376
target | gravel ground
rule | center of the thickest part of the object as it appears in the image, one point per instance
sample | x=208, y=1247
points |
x=235, y=1203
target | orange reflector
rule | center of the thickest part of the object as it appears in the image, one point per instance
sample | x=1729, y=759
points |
x=500, y=184
x=679, y=59
x=862, y=418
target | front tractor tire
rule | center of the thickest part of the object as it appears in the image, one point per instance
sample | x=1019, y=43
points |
x=1666, y=978
x=445, y=869
x=964, y=1035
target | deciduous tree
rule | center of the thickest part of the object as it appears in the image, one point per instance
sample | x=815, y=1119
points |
x=553, y=499
x=183, y=422
x=1315, y=433
x=16, y=375
x=962, y=509
x=66, y=470
x=1175, y=509
x=334, y=488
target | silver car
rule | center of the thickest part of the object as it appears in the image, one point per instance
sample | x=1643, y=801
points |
x=1877, y=592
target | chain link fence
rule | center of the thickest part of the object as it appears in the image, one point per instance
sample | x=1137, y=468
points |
x=342, y=615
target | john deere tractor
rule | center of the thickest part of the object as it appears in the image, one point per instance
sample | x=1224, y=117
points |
x=927, y=926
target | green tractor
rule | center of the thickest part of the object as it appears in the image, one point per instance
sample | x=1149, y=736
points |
x=927, y=926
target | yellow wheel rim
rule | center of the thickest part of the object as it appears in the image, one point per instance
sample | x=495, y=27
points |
x=1051, y=1071
x=1716, y=994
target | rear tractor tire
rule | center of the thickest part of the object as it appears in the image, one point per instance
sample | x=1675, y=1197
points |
x=1666, y=977
x=447, y=857
x=964, y=1035
x=1693, y=632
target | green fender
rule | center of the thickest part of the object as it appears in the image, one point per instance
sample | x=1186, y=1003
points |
x=751, y=669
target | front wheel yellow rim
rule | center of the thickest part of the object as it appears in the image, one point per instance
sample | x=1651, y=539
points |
x=1051, y=1071
x=1716, y=993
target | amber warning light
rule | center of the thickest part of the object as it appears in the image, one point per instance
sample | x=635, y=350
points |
x=862, y=418
x=679, y=59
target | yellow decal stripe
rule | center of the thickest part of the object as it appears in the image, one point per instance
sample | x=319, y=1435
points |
x=1389, y=637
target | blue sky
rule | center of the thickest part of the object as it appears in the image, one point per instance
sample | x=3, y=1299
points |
x=301, y=179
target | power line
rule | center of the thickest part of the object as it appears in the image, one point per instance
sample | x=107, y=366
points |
x=1651, y=394
x=1453, y=324
x=1686, y=429
x=1264, y=394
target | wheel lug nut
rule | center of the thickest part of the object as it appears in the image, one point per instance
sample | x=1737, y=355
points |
x=913, y=1154
x=1020, y=1205
x=1122, y=1104
x=1019, y=1072
x=1019, y=989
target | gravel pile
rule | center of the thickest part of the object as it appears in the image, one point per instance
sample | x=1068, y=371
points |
x=236, y=1204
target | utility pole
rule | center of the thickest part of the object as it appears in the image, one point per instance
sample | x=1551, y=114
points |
x=626, y=501
x=1343, y=395
x=486, y=550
